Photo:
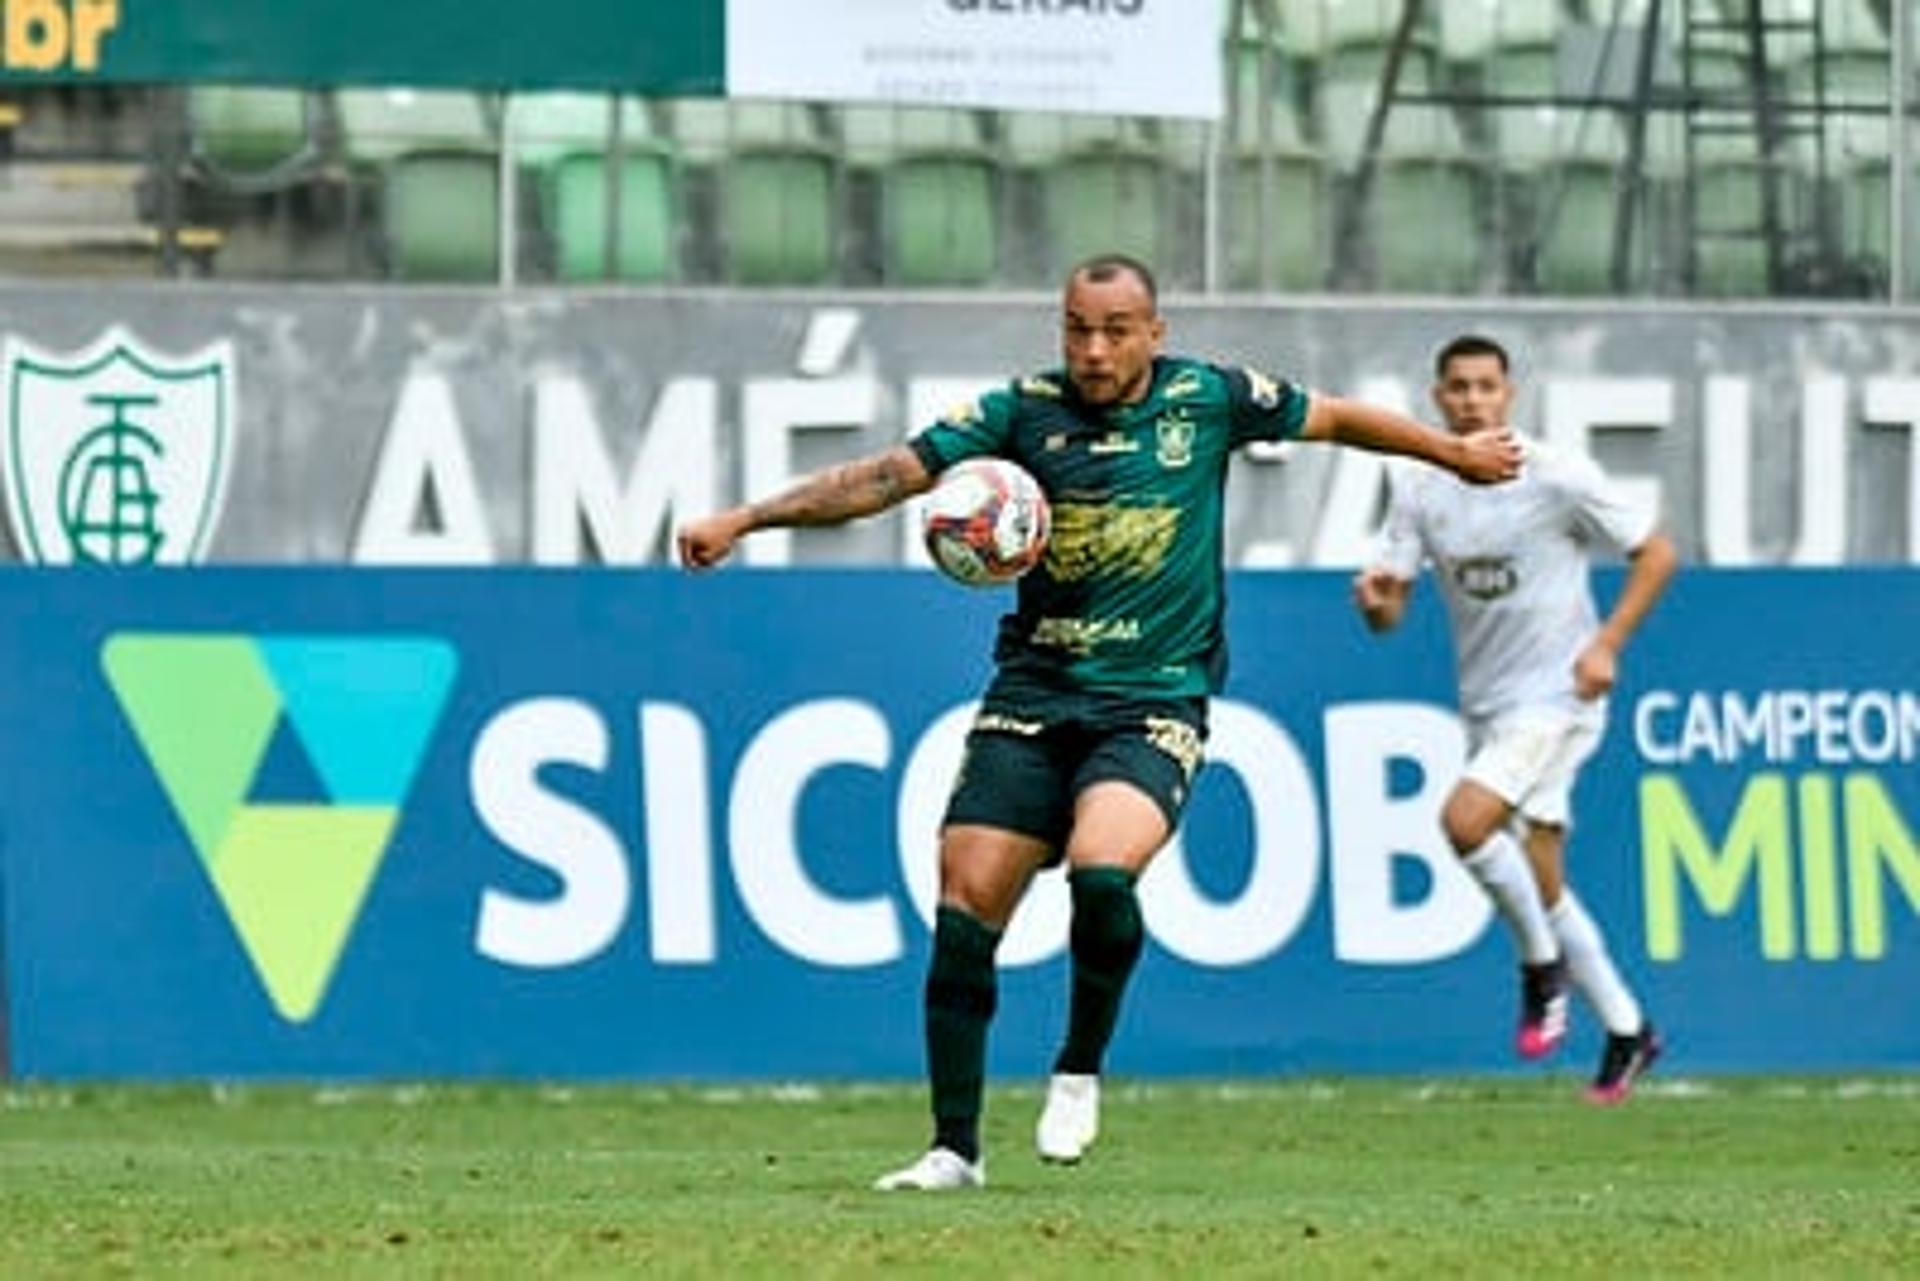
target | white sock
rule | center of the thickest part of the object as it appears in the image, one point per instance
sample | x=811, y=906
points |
x=1591, y=967
x=1502, y=871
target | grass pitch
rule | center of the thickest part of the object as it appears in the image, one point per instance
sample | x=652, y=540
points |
x=1398, y=1178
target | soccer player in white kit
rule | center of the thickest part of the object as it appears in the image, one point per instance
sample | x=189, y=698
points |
x=1535, y=665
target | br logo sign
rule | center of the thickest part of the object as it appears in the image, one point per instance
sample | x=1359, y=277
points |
x=116, y=454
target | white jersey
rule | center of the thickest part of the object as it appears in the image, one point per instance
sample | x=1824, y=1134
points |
x=1512, y=561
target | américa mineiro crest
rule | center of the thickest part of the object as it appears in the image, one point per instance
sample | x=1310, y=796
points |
x=116, y=454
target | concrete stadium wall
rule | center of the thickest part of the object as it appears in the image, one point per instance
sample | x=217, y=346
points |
x=341, y=426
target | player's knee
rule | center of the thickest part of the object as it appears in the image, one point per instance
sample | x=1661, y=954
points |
x=989, y=904
x=1460, y=832
x=1468, y=823
x=984, y=875
x=988, y=890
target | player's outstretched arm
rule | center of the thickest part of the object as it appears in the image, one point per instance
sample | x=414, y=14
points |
x=1480, y=458
x=1651, y=566
x=864, y=487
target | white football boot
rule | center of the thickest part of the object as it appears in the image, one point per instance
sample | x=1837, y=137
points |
x=1071, y=1120
x=939, y=1170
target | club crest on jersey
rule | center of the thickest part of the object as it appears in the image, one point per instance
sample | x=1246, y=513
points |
x=1486, y=577
x=1174, y=434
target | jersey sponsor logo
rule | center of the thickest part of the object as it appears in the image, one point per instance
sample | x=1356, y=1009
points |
x=1174, y=436
x=1045, y=388
x=115, y=454
x=1114, y=442
x=1082, y=636
x=1486, y=577
x=1180, y=386
x=1056, y=442
x=1091, y=539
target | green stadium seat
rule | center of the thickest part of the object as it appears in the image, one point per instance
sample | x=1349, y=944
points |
x=1575, y=252
x=432, y=154
x=770, y=174
x=1102, y=200
x=937, y=206
x=1726, y=196
x=1569, y=166
x=242, y=130
x=1274, y=195
x=576, y=195
x=778, y=216
x=1426, y=228
x=441, y=216
x=938, y=220
x=1866, y=220
x=1428, y=237
x=562, y=143
x=1294, y=229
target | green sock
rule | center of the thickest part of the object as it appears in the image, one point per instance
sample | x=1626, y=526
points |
x=1106, y=940
x=960, y=998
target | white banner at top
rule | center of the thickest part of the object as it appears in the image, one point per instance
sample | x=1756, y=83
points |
x=1116, y=57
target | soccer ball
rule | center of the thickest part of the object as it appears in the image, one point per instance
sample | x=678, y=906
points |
x=986, y=522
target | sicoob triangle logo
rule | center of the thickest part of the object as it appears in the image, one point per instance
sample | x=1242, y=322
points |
x=292, y=876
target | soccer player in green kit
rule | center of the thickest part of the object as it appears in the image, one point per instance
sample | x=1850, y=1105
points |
x=1090, y=734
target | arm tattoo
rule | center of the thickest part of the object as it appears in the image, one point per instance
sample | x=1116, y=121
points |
x=847, y=492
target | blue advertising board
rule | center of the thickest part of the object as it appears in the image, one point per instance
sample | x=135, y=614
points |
x=336, y=823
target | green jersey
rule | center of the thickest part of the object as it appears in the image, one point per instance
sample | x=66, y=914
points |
x=1131, y=595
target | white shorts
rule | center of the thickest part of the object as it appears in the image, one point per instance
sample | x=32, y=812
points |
x=1530, y=757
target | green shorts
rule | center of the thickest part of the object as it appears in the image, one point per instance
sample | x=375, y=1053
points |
x=1030, y=755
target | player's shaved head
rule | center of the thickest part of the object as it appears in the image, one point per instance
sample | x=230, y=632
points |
x=1102, y=268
